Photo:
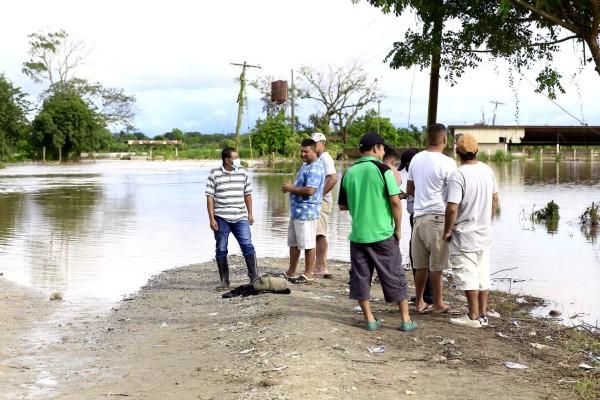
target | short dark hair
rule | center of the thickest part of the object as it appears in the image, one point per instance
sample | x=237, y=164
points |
x=309, y=143
x=466, y=157
x=435, y=134
x=390, y=153
x=226, y=153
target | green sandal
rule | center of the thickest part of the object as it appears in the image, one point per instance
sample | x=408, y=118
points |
x=371, y=326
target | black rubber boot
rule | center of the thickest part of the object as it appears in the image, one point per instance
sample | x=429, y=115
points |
x=252, y=267
x=223, y=273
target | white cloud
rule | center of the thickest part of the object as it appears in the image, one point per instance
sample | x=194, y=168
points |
x=175, y=57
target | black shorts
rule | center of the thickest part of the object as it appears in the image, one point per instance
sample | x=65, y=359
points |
x=383, y=256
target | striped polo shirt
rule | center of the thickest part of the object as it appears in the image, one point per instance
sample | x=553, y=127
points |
x=228, y=189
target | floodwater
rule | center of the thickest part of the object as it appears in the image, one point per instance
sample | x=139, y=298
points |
x=98, y=231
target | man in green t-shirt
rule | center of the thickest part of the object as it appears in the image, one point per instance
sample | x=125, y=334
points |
x=370, y=192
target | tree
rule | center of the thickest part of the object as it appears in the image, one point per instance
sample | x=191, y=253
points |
x=263, y=85
x=13, y=109
x=67, y=125
x=271, y=134
x=454, y=35
x=370, y=122
x=54, y=57
x=175, y=134
x=342, y=90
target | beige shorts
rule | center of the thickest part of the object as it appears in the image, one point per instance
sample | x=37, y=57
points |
x=302, y=234
x=323, y=219
x=428, y=248
x=471, y=271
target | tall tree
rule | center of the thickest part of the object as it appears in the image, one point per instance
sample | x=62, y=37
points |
x=67, y=125
x=454, y=35
x=343, y=91
x=13, y=109
x=54, y=58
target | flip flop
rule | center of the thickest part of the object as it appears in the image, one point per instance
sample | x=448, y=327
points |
x=301, y=280
x=328, y=276
x=318, y=274
x=289, y=278
x=447, y=311
x=427, y=310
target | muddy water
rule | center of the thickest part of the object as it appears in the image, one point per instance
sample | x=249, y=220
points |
x=97, y=231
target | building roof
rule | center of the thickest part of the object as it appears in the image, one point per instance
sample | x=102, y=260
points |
x=546, y=134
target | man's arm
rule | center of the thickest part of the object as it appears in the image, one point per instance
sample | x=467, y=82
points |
x=397, y=214
x=450, y=219
x=303, y=191
x=495, y=202
x=410, y=188
x=330, y=181
x=248, y=201
x=210, y=206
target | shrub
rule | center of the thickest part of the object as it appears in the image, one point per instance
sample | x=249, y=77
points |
x=591, y=216
x=548, y=213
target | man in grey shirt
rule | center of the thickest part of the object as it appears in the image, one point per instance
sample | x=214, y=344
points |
x=472, y=202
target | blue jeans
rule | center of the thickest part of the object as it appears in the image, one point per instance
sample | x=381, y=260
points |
x=241, y=232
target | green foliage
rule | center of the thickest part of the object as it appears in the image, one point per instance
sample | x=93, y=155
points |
x=500, y=156
x=559, y=156
x=523, y=32
x=591, y=215
x=67, y=123
x=54, y=57
x=271, y=134
x=483, y=156
x=369, y=122
x=13, y=109
x=548, y=213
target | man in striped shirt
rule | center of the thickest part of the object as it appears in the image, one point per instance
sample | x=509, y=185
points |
x=229, y=203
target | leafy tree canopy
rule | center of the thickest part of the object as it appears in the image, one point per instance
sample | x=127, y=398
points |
x=13, y=109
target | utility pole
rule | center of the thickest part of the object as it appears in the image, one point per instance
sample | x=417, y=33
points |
x=240, y=100
x=495, y=109
x=293, y=111
x=378, y=104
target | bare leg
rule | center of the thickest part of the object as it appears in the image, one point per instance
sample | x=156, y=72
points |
x=437, y=281
x=309, y=258
x=294, y=257
x=403, y=307
x=365, y=305
x=483, y=302
x=420, y=281
x=321, y=262
x=473, y=299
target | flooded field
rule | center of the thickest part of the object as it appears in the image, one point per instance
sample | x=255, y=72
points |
x=97, y=231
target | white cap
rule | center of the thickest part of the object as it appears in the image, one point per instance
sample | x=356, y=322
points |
x=318, y=137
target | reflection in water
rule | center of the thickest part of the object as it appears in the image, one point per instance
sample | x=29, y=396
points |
x=100, y=230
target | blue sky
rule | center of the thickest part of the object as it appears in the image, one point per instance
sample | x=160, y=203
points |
x=175, y=58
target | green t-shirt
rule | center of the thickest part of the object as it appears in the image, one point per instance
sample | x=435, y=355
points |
x=365, y=189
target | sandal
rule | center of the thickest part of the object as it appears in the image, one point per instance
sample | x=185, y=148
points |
x=301, y=280
x=289, y=278
x=447, y=311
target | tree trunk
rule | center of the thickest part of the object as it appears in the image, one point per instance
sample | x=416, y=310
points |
x=595, y=50
x=434, y=78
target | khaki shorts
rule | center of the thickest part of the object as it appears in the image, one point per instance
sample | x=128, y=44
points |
x=302, y=234
x=471, y=271
x=323, y=219
x=428, y=248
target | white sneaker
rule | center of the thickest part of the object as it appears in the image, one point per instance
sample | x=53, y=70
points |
x=466, y=321
x=483, y=321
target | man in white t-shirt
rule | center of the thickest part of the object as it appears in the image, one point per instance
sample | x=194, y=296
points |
x=426, y=181
x=472, y=205
x=331, y=179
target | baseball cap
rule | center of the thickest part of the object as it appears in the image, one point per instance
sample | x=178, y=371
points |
x=371, y=139
x=406, y=156
x=467, y=144
x=318, y=137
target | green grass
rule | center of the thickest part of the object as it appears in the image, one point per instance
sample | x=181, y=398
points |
x=588, y=388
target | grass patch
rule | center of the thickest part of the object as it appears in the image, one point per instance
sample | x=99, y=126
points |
x=588, y=388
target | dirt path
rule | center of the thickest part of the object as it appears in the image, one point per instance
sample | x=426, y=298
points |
x=178, y=339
